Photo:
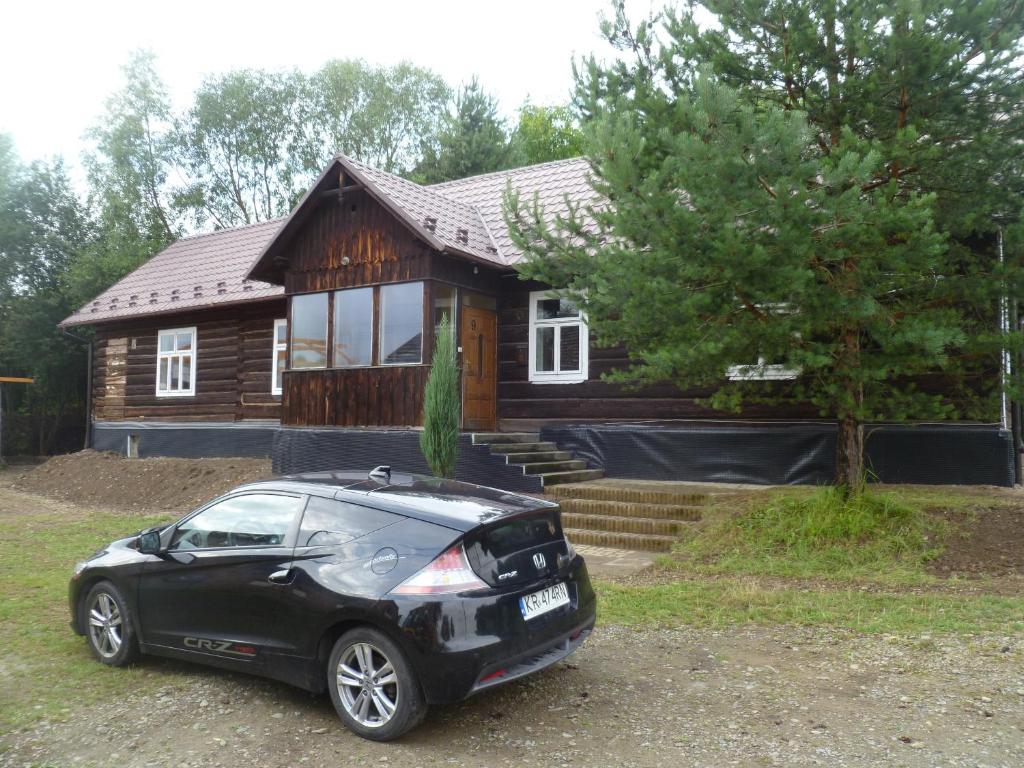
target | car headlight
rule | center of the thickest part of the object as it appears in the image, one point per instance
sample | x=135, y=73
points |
x=79, y=567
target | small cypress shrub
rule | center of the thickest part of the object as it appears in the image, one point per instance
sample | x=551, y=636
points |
x=442, y=406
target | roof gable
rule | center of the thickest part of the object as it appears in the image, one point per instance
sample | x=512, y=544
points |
x=463, y=218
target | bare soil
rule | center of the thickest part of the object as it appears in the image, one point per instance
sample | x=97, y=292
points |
x=105, y=480
x=983, y=542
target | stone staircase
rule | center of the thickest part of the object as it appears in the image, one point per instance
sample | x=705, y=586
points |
x=544, y=460
x=627, y=514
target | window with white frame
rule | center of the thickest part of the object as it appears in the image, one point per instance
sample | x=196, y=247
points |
x=558, y=339
x=176, y=362
x=764, y=369
x=280, y=356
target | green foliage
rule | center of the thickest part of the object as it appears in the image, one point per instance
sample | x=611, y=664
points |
x=876, y=535
x=442, y=406
x=544, y=134
x=380, y=115
x=42, y=227
x=472, y=140
x=827, y=226
x=236, y=144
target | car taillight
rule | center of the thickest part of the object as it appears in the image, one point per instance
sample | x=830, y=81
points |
x=449, y=572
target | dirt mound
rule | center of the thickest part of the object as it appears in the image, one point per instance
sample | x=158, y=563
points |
x=983, y=542
x=97, y=479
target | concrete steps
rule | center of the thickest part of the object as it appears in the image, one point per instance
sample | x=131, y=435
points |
x=641, y=541
x=628, y=514
x=537, y=457
x=678, y=512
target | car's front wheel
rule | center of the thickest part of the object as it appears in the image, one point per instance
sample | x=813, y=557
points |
x=373, y=686
x=108, y=625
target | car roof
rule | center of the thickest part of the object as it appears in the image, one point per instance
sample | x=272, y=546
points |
x=451, y=503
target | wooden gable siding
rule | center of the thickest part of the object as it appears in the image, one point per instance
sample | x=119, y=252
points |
x=234, y=351
x=594, y=399
x=380, y=249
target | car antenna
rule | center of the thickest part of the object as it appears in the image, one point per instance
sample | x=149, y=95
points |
x=382, y=472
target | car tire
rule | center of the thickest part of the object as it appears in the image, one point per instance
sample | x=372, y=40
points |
x=379, y=704
x=108, y=625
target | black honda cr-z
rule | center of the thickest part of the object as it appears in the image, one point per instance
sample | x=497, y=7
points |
x=392, y=591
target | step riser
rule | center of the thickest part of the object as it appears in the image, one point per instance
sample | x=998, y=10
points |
x=631, y=495
x=552, y=466
x=522, y=447
x=579, y=476
x=629, y=509
x=536, y=458
x=493, y=438
x=618, y=540
x=623, y=524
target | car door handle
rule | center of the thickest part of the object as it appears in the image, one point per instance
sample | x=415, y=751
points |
x=281, y=577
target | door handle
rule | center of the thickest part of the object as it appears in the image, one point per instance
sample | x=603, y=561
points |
x=281, y=577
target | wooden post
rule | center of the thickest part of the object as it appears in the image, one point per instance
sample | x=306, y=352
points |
x=7, y=380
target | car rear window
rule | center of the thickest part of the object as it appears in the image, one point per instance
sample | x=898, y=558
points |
x=520, y=533
x=328, y=521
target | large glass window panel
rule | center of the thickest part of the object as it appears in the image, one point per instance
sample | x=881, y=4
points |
x=545, y=349
x=309, y=331
x=401, y=324
x=444, y=304
x=353, y=327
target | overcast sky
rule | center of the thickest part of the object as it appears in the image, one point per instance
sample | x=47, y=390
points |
x=61, y=59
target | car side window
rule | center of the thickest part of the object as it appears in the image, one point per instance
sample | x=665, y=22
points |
x=250, y=520
x=329, y=521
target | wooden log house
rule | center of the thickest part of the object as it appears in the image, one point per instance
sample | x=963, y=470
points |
x=309, y=338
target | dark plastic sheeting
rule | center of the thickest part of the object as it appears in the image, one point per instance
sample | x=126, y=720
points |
x=790, y=453
x=187, y=441
x=320, y=450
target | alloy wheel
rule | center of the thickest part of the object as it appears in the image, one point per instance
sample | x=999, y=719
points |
x=367, y=684
x=105, y=625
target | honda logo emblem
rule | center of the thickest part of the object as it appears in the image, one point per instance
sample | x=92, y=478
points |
x=539, y=561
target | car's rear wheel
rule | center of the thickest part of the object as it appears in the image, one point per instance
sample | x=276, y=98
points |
x=108, y=625
x=373, y=686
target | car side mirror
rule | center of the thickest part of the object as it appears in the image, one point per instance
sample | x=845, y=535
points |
x=149, y=542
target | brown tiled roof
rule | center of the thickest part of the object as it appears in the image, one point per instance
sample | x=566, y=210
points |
x=551, y=182
x=197, y=271
x=462, y=217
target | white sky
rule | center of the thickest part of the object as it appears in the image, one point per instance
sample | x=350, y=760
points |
x=61, y=59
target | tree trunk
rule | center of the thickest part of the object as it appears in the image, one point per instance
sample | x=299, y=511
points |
x=850, y=426
x=850, y=455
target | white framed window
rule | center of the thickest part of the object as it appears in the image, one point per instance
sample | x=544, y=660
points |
x=176, y=362
x=280, y=356
x=761, y=371
x=558, y=340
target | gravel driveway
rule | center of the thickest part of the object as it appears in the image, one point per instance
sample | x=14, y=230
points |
x=752, y=697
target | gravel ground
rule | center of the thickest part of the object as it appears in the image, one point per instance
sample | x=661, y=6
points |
x=751, y=697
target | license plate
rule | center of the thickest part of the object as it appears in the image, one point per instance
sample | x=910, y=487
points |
x=538, y=603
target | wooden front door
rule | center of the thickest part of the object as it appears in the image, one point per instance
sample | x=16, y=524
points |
x=479, y=368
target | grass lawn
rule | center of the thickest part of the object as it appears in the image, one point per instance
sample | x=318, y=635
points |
x=807, y=556
x=45, y=669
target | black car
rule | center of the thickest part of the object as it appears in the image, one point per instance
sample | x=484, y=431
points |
x=392, y=591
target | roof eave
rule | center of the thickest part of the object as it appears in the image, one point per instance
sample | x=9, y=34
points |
x=72, y=322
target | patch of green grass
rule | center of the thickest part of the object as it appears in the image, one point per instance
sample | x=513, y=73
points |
x=879, y=535
x=733, y=601
x=45, y=668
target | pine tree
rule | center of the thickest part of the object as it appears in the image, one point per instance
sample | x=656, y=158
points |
x=472, y=140
x=778, y=204
x=442, y=408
